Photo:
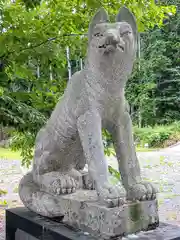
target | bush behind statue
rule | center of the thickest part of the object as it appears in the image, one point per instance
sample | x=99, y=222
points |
x=158, y=136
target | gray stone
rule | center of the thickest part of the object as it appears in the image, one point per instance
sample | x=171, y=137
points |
x=72, y=137
x=83, y=211
x=27, y=224
x=21, y=235
x=163, y=232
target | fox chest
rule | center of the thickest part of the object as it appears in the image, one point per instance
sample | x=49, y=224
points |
x=111, y=110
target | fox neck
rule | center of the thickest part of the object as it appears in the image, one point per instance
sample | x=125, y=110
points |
x=111, y=73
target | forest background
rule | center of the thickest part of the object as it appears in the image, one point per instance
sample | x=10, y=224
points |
x=43, y=42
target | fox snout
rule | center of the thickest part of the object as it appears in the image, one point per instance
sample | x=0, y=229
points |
x=112, y=38
x=112, y=41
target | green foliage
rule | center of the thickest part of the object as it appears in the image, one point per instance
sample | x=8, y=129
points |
x=154, y=88
x=157, y=135
x=16, y=190
x=3, y=192
x=148, y=14
x=31, y=3
x=34, y=36
x=25, y=143
x=114, y=173
x=3, y=203
x=153, y=136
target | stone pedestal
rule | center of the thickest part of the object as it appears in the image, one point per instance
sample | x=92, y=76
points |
x=83, y=211
x=22, y=224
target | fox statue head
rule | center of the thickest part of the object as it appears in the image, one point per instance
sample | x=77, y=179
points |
x=112, y=45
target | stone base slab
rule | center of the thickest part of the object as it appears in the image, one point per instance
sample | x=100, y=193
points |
x=83, y=211
x=22, y=224
x=163, y=232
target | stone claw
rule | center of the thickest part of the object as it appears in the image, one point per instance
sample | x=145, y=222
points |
x=88, y=183
x=64, y=185
x=141, y=191
x=111, y=196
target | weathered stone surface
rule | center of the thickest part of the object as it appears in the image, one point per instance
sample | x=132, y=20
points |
x=83, y=211
x=72, y=137
x=25, y=224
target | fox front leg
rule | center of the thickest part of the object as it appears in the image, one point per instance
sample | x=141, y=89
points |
x=89, y=128
x=128, y=162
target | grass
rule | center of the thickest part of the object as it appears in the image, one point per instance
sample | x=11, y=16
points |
x=6, y=153
x=3, y=203
x=141, y=149
x=159, y=136
x=15, y=190
x=3, y=192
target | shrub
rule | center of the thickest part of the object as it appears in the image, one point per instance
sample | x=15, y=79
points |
x=159, y=135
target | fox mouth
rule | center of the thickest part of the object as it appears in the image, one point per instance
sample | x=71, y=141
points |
x=108, y=47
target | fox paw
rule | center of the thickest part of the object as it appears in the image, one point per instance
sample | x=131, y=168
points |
x=64, y=185
x=141, y=191
x=111, y=196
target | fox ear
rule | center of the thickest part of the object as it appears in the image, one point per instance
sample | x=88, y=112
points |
x=125, y=15
x=100, y=17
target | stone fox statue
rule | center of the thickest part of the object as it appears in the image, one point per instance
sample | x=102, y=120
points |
x=72, y=137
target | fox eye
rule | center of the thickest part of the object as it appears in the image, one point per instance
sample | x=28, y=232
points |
x=125, y=33
x=98, y=34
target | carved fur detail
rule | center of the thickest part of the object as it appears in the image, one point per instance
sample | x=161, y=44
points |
x=94, y=99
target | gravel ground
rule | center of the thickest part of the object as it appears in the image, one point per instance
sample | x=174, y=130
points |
x=163, y=169
x=160, y=167
x=10, y=174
